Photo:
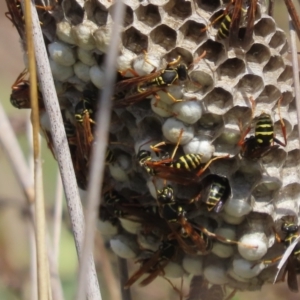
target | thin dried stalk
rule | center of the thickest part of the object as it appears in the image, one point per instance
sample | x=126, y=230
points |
x=108, y=276
x=56, y=287
x=123, y=273
x=42, y=264
x=295, y=72
x=57, y=218
x=62, y=152
x=16, y=158
x=98, y=153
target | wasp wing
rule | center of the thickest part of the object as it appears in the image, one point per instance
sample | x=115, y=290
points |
x=250, y=21
x=292, y=275
x=137, y=97
x=130, y=83
x=179, y=176
x=285, y=256
x=235, y=22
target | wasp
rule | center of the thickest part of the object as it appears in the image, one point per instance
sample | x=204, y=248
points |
x=169, y=209
x=20, y=95
x=115, y=203
x=121, y=207
x=262, y=142
x=216, y=191
x=148, y=85
x=84, y=116
x=201, y=241
x=15, y=15
x=179, y=170
x=290, y=259
x=155, y=264
x=231, y=19
x=189, y=238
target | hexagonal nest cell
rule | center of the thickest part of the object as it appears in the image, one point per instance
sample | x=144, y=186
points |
x=231, y=68
x=193, y=32
x=208, y=5
x=134, y=40
x=149, y=15
x=178, y=9
x=164, y=36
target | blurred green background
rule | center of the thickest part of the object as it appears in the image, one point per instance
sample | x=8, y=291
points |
x=14, y=244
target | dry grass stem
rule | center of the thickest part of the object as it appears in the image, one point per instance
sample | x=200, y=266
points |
x=295, y=72
x=42, y=264
x=123, y=273
x=57, y=218
x=99, y=151
x=61, y=147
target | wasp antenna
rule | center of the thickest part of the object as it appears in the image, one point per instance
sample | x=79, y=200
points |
x=199, y=57
x=175, y=61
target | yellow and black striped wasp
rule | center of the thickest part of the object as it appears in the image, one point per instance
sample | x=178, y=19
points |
x=262, y=142
x=235, y=12
x=182, y=170
x=215, y=192
x=142, y=87
x=289, y=261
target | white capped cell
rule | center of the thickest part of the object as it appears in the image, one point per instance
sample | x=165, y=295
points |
x=97, y=76
x=82, y=71
x=61, y=53
x=172, y=129
x=86, y=57
x=60, y=72
x=63, y=32
x=255, y=246
x=83, y=34
x=187, y=111
x=198, y=146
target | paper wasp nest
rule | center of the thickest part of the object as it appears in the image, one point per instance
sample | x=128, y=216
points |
x=215, y=110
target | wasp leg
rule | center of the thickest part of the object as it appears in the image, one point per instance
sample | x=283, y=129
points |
x=157, y=99
x=242, y=139
x=130, y=70
x=282, y=125
x=177, y=145
x=20, y=78
x=202, y=170
x=223, y=239
x=174, y=62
